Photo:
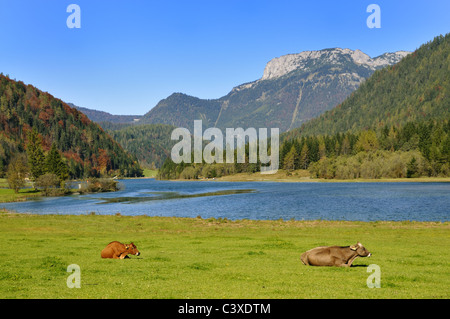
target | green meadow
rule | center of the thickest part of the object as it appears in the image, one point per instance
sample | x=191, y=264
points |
x=8, y=195
x=217, y=258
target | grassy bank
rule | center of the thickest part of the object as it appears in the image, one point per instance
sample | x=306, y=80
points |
x=304, y=176
x=198, y=258
x=150, y=173
x=8, y=195
x=95, y=186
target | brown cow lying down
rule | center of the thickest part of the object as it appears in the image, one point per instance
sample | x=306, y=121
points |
x=118, y=250
x=334, y=255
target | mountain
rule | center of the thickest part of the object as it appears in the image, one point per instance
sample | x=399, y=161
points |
x=181, y=110
x=101, y=116
x=395, y=125
x=415, y=89
x=87, y=149
x=294, y=88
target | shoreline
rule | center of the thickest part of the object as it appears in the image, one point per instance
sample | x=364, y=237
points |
x=302, y=176
x=323, y=180
x=244, y=221
x=231, y=221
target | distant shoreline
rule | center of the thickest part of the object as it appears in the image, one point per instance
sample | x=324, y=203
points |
x=302, y=176
x=323, y=180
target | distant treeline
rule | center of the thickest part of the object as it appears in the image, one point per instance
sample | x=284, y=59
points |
x=149, y=143
x=413, y=150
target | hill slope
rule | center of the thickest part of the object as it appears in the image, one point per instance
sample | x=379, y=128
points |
x=415, y=89
x=88, y=150
x=181, y=110
x=101, y=116
x=293, y=89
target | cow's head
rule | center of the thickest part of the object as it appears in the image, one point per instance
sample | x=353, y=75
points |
x=361, y=250
x=132, y=249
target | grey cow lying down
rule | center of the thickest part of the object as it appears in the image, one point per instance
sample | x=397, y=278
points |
x=334, y=255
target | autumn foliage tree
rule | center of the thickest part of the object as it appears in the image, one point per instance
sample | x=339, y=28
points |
x=17, y=171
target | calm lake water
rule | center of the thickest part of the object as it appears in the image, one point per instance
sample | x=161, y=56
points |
x=258, y=200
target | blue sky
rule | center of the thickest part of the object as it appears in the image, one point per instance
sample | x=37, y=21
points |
x=128, y=55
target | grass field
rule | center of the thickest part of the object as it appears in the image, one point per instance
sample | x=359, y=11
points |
x=8, y=195
x=198, y=258
x=150, y=172
x=3, y=183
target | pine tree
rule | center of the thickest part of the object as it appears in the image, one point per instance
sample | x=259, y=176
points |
x=54, y=164
x=322, y=148
x=412, y=168
x=36, y=157
x=345, y=147
x=304, y=157
x=290, y=159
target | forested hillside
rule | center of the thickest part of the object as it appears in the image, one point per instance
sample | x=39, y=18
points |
x=415, y=89
x=149, y=143
x=87, y=150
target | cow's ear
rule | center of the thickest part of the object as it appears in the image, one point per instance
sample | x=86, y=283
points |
x=126, y=247
x=354, y=247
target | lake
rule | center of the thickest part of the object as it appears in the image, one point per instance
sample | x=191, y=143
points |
x=257, y=200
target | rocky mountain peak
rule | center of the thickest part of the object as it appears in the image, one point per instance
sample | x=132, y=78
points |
x=285, y=64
